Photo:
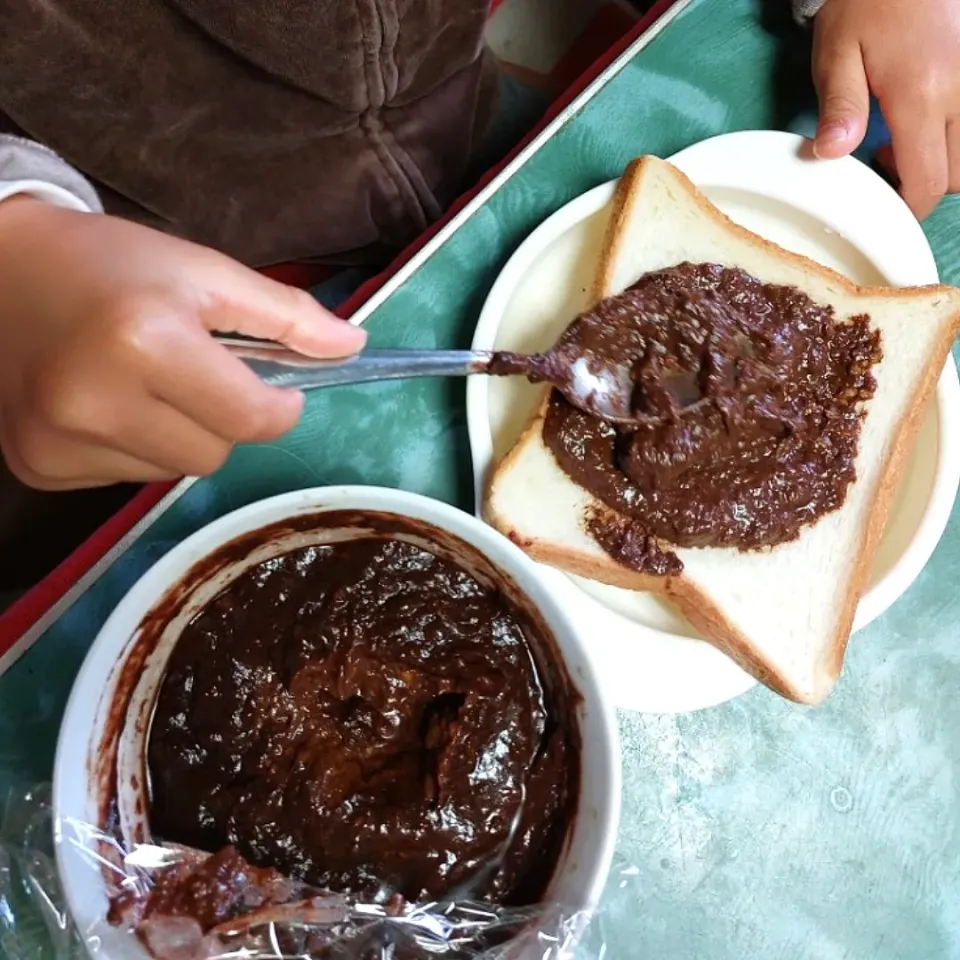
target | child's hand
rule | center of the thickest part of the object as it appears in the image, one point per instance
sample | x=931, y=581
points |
x=907, y=53
x=108, y=371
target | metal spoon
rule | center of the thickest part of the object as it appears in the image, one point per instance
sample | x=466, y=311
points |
x=602, y=392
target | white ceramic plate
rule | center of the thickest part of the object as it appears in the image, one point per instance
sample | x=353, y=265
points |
x=839, y=213
x=79, y=793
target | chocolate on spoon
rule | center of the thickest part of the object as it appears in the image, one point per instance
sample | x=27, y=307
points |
x=611, y=392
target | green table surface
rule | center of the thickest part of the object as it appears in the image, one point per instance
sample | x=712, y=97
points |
x=756, y=829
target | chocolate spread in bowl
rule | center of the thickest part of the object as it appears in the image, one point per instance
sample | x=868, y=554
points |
x=758, y=396
x=368, y=714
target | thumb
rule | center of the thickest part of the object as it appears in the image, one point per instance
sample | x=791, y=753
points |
x=844, y=103
x=263, y=308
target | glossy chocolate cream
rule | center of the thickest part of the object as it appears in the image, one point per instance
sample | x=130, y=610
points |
x=368, y=718
x=753, y=397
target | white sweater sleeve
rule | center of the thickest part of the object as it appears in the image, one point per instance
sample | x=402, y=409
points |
x=28, y=167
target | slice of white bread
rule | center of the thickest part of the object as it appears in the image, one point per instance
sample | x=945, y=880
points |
x=784, y=614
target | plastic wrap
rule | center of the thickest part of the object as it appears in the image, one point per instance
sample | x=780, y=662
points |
x=173, y=903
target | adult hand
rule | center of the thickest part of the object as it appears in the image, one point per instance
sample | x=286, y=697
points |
x=108, y=370
x=907, y=54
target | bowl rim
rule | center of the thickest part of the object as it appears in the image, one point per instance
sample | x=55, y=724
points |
x=82, y=727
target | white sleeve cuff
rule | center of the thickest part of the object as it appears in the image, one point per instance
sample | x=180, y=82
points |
x=48, y=192
x=28, y=167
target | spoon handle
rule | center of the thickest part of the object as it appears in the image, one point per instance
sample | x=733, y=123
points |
x=283, y=368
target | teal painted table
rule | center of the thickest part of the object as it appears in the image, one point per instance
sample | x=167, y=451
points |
x=754, y=829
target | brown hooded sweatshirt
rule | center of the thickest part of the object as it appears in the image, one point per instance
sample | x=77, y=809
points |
x=274, y=130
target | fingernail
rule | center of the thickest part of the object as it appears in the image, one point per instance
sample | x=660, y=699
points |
x=831, y=134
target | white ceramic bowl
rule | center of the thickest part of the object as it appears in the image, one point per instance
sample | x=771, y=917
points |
x=839, y=213
x=113, y=696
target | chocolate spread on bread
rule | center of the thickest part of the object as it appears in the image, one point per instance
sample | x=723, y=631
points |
x=368, y=716
x=757, y=397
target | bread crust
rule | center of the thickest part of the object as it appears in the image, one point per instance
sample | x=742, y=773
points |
x=631, y=183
